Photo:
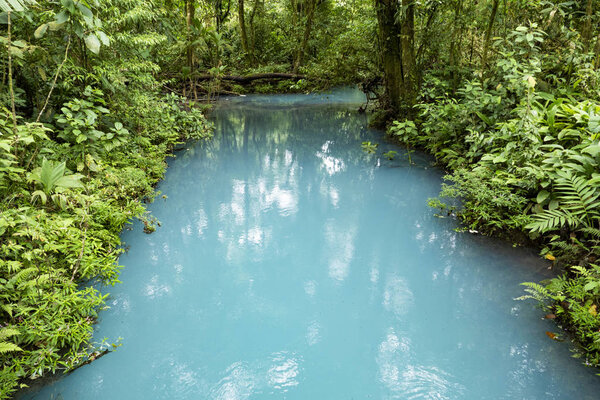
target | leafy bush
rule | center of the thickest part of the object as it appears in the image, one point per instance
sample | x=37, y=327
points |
x=485, y=202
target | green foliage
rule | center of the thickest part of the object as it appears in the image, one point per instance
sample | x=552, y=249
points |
x=15, y=5
x=6, y=347
x=369, y=148
x=108, y=122
x=51, y=175
x=574, y=299
x=390, y=155
x=405, y=131
x=77, y=17
x=578, y=205
x=79, y=120
x=519, y=136
x=484, y=201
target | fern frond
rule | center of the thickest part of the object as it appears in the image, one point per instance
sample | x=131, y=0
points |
x=550, y=220
x=6, y=347
x=21, y=276
x=535, y=291
x=593, y=232
x=8, y=332
x=578, y=196
x=565, y=247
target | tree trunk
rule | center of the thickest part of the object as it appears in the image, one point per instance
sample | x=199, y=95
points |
x=252, y=41
x=488, y=36
x=586, y=31
x=597, y=53
x=390, y=51
x=310, y=13
x=10, y=77
x=455, y=46
x=407, y=40
x=220, y=14
x=397, y=52
x=242, y=23
x=190, y=13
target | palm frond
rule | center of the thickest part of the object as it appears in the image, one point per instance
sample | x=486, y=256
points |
x=15, y=5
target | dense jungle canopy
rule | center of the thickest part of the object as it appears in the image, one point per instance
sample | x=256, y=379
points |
x=96, y=93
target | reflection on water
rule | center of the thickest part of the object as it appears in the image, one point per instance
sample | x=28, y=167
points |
x=408, y=381
x=292, y=265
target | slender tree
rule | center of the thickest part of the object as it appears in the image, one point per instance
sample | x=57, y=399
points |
x=586, y=31
x=307, y=12
x=242, y=24
x=396, y=31
x=488, y=37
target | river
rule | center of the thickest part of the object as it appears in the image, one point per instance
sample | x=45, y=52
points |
x=291, y=264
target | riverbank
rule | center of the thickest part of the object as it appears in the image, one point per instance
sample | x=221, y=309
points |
x=524, y=169
x=61, y=220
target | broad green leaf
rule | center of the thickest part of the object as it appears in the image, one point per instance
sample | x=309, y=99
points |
x=592, y=150
x=27, y=139
x=103, y=38
x=70, y=181
x=41, y=195
x=68, y=4
x=499, y=159
x=92, y=43
x=594, y=124
x=61, y=17
x=86, y=12
x=542, y=196
x=50, y=172
x=5, y=145
x=42, y=73
x=15, y=5
x=55, y=26
x=16, y=52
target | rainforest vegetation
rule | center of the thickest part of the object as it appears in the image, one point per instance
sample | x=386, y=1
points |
x=95, y=94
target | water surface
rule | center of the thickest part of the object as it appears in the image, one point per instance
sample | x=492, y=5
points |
x=292, y=265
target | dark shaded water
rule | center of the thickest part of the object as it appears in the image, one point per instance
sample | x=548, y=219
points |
x=292, y=265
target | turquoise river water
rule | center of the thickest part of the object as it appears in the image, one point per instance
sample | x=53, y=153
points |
x=292, y=265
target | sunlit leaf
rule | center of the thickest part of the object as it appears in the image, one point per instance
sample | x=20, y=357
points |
x=40, y=31
x=92, y=43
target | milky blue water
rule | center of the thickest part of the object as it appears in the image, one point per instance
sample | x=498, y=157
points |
x=292, y=265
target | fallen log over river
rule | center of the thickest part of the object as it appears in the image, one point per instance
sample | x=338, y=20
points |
x=253, y=77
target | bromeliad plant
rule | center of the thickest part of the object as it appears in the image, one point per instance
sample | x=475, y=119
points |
x=53, y=178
